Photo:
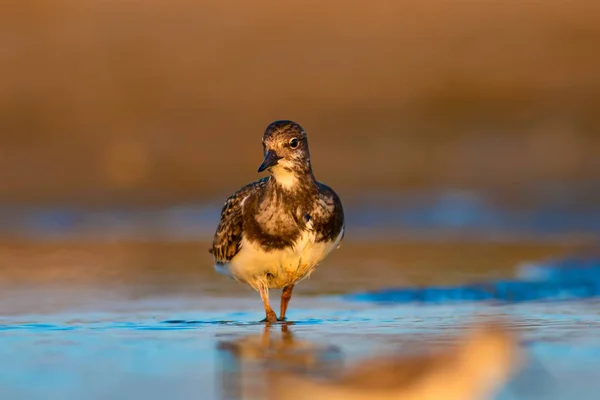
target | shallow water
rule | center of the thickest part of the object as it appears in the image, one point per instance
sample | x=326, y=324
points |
x=168, y=349
x=90, y=308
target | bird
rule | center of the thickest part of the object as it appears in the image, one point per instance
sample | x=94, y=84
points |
x=478, y=365
x=274, y=232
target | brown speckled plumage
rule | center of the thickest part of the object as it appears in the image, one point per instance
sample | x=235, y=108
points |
x=228, y=237
x=287, y=219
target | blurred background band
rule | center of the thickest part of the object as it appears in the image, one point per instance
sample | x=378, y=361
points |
x=127, y=102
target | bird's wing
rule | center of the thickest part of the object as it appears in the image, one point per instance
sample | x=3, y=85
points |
x=333, y=224
x=228, y=237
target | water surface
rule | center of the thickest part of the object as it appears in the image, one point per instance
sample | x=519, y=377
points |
x=158, y=348
x=90, y=308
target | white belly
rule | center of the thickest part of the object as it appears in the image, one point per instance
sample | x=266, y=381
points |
x=278, y=268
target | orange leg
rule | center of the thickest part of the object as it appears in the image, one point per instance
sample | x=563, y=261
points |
x=286, y=295
x=264, y=295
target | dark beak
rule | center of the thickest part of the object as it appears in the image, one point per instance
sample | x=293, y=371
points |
x=271, y=159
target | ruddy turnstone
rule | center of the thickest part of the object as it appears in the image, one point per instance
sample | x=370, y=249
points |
x=274, y=232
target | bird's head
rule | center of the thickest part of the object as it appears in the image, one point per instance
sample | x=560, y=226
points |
x=286, y=153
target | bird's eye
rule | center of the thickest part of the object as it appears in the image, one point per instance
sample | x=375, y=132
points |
x=294, y=143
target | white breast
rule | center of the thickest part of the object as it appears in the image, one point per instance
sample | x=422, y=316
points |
x=286, y=266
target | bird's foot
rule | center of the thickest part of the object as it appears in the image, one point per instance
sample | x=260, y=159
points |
x=271, y=317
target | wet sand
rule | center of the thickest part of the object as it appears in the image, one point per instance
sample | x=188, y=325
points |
x=44, y=276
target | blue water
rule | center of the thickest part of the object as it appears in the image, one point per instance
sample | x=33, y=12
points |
x=153, y=354
x=566, y=279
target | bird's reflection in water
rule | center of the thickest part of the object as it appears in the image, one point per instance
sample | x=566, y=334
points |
x=248, y=364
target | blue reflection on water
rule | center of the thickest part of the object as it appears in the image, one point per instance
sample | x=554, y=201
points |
x=421, y=214
x=565, y=279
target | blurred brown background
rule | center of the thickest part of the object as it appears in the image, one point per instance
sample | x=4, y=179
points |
x=154, y=102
